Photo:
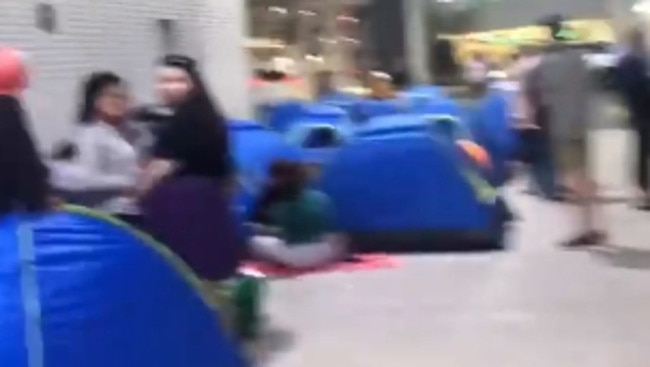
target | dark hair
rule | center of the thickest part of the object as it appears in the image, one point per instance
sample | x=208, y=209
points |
x=64, y=151
x=196, y=133
x=287, y=181
x=291, y=177
x=93, y=87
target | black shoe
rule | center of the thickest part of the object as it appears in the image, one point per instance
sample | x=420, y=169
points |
x=589, y=238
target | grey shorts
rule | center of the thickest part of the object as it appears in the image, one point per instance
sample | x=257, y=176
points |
x=571, y=155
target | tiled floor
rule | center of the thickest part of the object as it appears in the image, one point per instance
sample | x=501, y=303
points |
x=535, y=305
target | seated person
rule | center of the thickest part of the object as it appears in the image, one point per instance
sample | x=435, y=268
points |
x=293, y=225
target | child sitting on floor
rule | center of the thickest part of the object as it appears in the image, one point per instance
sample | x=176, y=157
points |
x=293, y=225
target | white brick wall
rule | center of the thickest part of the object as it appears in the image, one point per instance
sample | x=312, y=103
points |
x=123, y=36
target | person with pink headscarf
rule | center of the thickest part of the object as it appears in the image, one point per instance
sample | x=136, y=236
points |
x=23, y=176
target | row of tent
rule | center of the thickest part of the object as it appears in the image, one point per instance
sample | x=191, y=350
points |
x=393, y=169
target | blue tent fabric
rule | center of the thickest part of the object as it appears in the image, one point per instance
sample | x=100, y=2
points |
x=370, y=108
x=344, y=101
x=323, y=113
x=490, y=125
x=442, y=126
x=100, y=294
x=441, y=105
x=405, y=182
x=281, y=115
x=392, y=124
x=254, y=148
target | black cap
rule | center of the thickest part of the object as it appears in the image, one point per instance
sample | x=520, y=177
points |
x=555, y=25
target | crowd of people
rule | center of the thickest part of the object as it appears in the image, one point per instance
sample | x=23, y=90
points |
x=174, y=181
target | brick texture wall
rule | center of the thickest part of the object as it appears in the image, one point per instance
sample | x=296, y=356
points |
x=125, y=36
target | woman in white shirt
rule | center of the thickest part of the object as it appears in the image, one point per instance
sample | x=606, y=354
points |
x=108, y=161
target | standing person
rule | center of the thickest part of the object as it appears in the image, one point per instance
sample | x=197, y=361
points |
x=106, y=146
x=634, y=83
x=531, y=117
x=186, y=203
x=23, y=176
x=476, y=69
x=566, y=94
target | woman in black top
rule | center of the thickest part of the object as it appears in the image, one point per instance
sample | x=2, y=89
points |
x=194, y=141
x=23, y=176
x=186, y=205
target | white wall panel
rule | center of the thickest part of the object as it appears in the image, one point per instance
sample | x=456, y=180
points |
x=123, y=36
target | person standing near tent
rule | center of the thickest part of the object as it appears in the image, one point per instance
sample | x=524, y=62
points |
x=107, y=148
x=634, y=83
x=566, y=91
x=23, y=176
x=185, y=187
x=531, y=118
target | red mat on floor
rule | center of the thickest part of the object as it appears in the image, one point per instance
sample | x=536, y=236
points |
x=358, y=263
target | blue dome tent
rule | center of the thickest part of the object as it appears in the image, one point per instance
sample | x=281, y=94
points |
x=82, y=290
x=254, y=148
x=490, y=124
x=282, y=115
x=435, y=125
x=370, y=108
x=441, y=105
x=318, y=143
x=345, y=101
x=422, y=95
x=322, y=113
x=408, y=191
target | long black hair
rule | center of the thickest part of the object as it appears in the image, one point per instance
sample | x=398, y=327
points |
x=196, y=133
x=287, y=181
x=23, y=176
x=93, y=87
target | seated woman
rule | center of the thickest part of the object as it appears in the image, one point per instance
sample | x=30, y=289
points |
x=293, y=225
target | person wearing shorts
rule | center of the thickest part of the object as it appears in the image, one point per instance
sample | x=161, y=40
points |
x=566, y=91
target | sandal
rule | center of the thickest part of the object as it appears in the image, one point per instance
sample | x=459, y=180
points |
x=589, y=238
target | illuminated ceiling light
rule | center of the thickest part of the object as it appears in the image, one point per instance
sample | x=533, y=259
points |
x=315, y=58
x=307, y=13
x=350, y=40
x=346, y=18
x=278, y=10
x=641, y=7
x=328, y=41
